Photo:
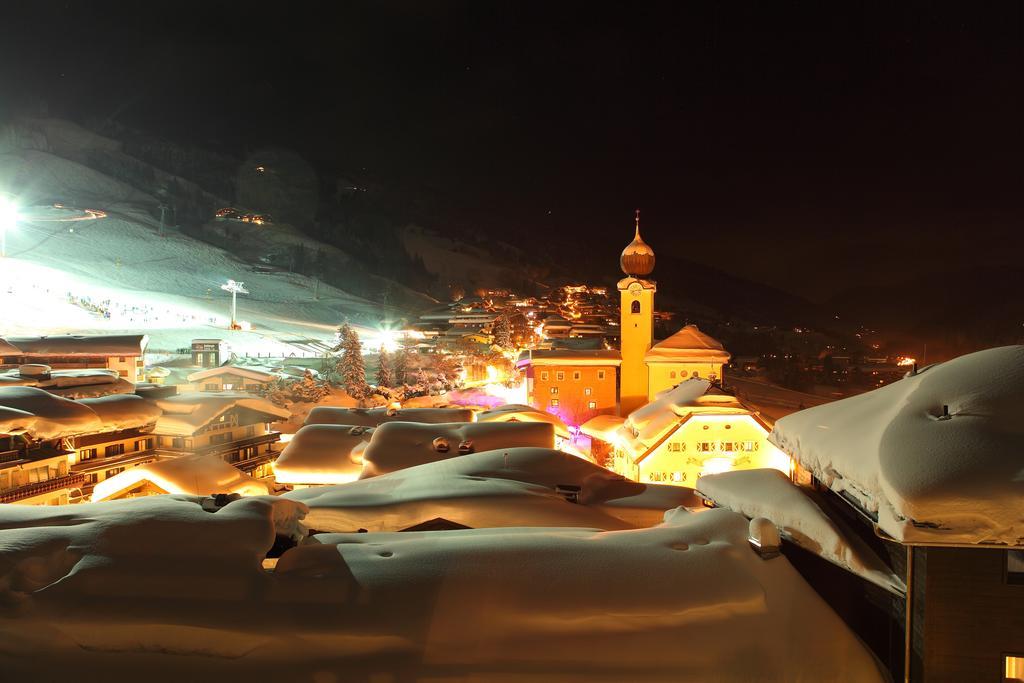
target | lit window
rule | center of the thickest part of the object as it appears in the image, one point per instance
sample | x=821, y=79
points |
x=576, y=375
x=544, y=375
x=672, y=375
x=705, y=446
x=1014, y=668
x=727, y=446
x=592, y=405
x=588, y=391
x=559, y=375
x=554, y=390
x=554, y=403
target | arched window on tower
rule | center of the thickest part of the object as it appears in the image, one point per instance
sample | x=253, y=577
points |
x=635, y=307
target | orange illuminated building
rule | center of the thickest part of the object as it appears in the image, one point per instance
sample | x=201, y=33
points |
x=574, y=385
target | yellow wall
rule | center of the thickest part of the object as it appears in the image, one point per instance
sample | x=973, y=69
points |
x=702, y=446
x=637, y=331
x=131, y=368
x=666, y=375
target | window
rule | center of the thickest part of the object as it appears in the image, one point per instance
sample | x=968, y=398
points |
x=1014, y=668
x=113, y=472
x=560, y=375
x=592, y=405
x=554, y=403
x=544, y=375
x=116, y=449
x=121, y=359
x=554, y=390
x=588, y=391
x=696, y=374
x=635, y=307
x=250, y=430
x=86, y=454
x=600, y=374
x=122, y=373
x=1015, y=569
x=92, y=477
x=140, y=445
x=576, y=375
x=672, y=375
x=705, y=446
x=676, y=447
x=727, y=447
x=224, y=437
x=177, y=442
x=209, y=387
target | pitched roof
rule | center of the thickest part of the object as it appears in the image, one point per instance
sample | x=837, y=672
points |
x=184, y=414
x=188, y=474
x=82, y=345
x=242, y=371
x=602, y=357
x=688, y=343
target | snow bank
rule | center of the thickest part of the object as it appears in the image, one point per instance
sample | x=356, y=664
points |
x=769, y=493
x=160, y=588
x=123, y=411
x=41, y=415
x=927, y=477
x=499, y=488
x=686, y=600
x=373, y=417
x=323, y=454
x=397, y=445
x=198, y=475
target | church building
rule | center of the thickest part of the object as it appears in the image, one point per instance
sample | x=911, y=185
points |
x=578, y=385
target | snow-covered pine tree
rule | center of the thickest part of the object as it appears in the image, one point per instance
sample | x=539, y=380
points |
x=503, y=331
x=308, y=389
x=400, y=365
x=385, y=378
x=351, y=368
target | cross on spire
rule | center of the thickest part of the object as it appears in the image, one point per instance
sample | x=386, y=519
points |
x=638, y=222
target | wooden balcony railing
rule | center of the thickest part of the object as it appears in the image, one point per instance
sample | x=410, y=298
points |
x=30, y=490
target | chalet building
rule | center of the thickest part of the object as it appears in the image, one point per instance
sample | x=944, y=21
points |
x=122, y=441
x=233, y=426
x=231, y=378
x=123, y=354
x=574, y=385
x=927, y=472
x=688, y=431
x=195, y=475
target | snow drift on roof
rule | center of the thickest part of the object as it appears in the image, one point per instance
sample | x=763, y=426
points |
x=927, y=477
x=688, y=343
x=514, y=412
x=41, y=415
x=372, y=417
x=323, y=454
x=507, y=487
x=769, y=493
x=123, y=411
x=597, y=357
x=81, y=345
x=198, y=475
x=183, y=414
x=397, y=445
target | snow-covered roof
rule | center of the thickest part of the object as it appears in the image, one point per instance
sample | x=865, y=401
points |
x=397, y=445
x=515, y=412
x=256, y=374
x=599, y=357
x=41, y=415
x=927, y=477
x=82, y=383
x=602, y=426
x=372, y=417
x=770, y=494
x=198, y=475
x=123, y=411
x=688, y=344
x=8, y=349
x=323, y=454
x=81, y=345
x=184, y=414
x=646, y=425
x=505, y=487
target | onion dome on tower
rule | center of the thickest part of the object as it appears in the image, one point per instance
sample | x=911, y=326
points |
x=637, y=259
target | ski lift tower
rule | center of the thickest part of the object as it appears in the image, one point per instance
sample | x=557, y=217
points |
x=235, y=288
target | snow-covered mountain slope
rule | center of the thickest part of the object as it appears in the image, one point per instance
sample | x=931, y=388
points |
x=119, y=274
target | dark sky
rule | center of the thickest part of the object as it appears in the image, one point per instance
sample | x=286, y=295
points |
x=815, y=146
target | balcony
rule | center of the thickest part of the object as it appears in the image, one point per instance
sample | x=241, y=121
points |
x=29, y=490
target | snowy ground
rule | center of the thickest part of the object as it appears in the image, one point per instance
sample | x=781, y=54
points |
x=117, y=274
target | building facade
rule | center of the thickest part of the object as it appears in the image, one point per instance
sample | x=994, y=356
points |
x=123, y=354
x=574, y=385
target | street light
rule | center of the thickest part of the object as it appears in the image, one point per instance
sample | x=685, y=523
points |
x=8, y=221
x=235, y=288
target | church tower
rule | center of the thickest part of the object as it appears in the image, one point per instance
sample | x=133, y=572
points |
x=636, y=321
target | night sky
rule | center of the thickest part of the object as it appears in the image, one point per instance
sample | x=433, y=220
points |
x=812, y=146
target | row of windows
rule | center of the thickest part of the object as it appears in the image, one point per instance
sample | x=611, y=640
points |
x=712, y=446
x=587, y=391
x=592, y=405
x=114, y=449
x=560, y=375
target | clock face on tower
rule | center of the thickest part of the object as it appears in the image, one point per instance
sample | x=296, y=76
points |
x=635, y=288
